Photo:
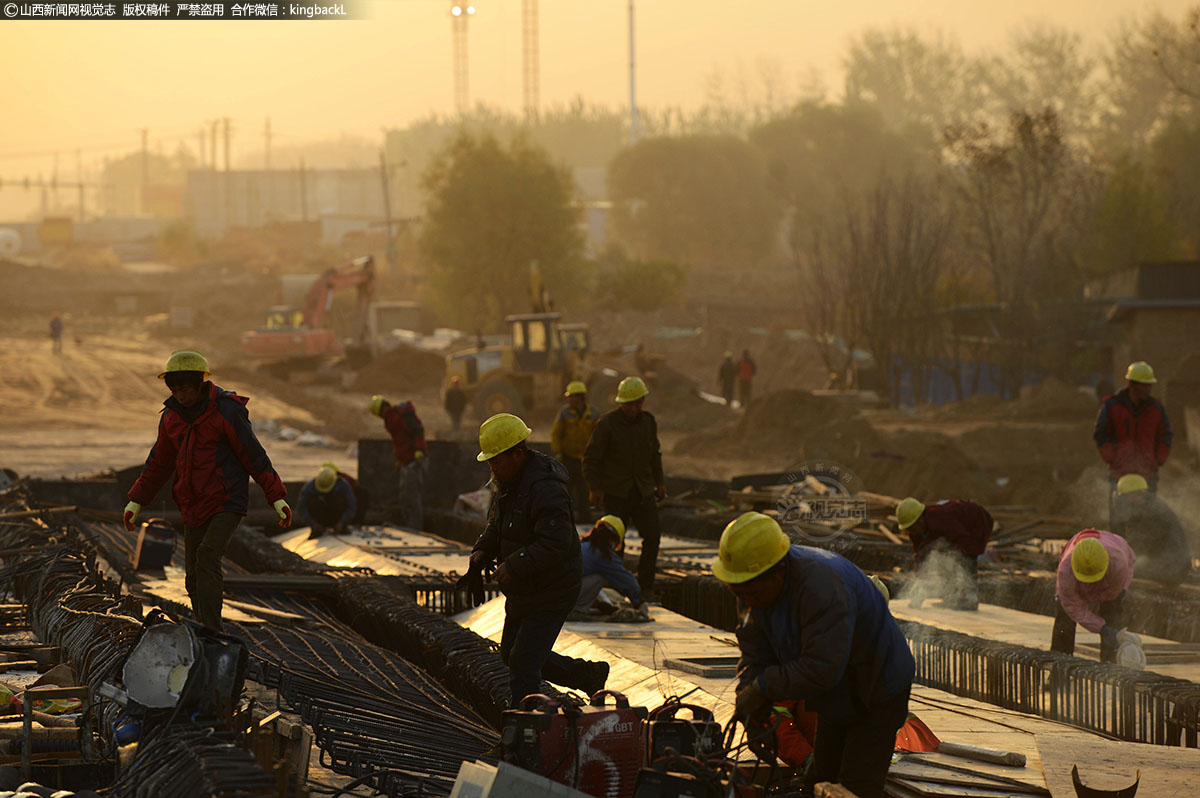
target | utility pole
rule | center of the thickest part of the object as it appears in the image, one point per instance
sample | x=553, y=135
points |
x=387, y=212
x=200, y=145
x=267, y=147
x=145, y=167
x=212, y=146
x=226, y=188
x=303, y=195
x=529, y=52
x=79, y=177
x=459, y=12
x=633, y=114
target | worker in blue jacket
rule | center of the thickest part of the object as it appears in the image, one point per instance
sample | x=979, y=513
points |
x=327, y=502
x=603, y=548
x=820, y=631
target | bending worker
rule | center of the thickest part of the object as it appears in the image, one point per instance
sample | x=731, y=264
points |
x=327, y=502
x=623, y=468
x=1096, y=567
x=568, y=441
x=1132, y=431
x=818, y=630
x=531, y=535
x=955, y=533
x=1153, y=532
x=205, y=440
x=410, y=450
x=603, y=566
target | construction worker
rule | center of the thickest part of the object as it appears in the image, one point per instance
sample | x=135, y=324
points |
x=604, y=566
x=1096, y=567
x=817, y=630
x=531, y=536
x=726, y=377
x=569, y=439
x=955, y=533
x=410, y=450
x=56, y=333
x=455, y=402
x=623, y=468
x=327, y=502
x=746, y=369
x=1153, y=532
x=205, y=440
x=1132, y=431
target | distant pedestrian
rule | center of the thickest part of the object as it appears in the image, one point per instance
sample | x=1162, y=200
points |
x=568, y=441
x=455, y=402
x=727, y=376
x=56, y=333
x=746, y=369
x=410, y=450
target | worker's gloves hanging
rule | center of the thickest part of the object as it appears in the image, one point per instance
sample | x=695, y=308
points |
x=284, y=512
x=473, y=580
x=750, y=699
x=132, y=511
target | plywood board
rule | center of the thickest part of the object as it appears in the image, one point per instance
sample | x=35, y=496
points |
x=1166, y=772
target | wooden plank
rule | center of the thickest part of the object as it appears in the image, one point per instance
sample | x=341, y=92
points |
x=36, y=513
x=1166, y=771
x=980, y=754
x=911, y=770
x=279, y=616
x=827, y=790
x=278, y=581
x=890, y=535
x=936, y=790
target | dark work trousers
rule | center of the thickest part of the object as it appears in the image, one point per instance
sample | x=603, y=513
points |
x=641, y=512
x=1063, y=639
x=745, y=389
x=577, y=489
x=326, y=510
x=857, y=756
x=526, y=647
x=1151, y=482
x=203, y=549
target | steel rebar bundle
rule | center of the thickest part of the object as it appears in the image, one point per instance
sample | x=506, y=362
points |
x=187, y=761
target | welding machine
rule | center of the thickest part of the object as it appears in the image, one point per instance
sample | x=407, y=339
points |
x=698, y=737
x=596, y=749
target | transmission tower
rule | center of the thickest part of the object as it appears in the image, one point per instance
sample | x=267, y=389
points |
x=529, y=41
x=459, y=13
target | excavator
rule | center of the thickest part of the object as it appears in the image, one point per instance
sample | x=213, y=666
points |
x=299, y=338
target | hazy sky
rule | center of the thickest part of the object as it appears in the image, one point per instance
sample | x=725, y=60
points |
x=92, y=86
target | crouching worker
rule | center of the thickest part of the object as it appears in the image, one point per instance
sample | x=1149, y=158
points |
x=819, y=631
x=1153, y=532
x=327, y=502
x=531, y=535
x=1096, y=567
x=947, y=539
x=603, y=566
x=205, y=440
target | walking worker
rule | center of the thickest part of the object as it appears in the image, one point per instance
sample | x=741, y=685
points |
x=603, y=566
x=1132, y=431
x=531, y=536
x=455, y=402
x=1096, y=567
x=623, y=468
x=746, y=369
x=726, y=377
x=56, y=333
x=817, y=630
x=958, y=531
x=410, y=450
x=568, y=441
x=1153, y=532
x=327, y=502
x=205, y=440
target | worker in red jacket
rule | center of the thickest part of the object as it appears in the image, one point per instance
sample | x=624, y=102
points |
x=410, y=450
x=955, y=533
x=1096, y=567
x=205, y=440
x=1132, y=431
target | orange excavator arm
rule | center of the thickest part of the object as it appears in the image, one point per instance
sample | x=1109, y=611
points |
x=359, y=273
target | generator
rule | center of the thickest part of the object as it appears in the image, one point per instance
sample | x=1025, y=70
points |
x=155, y=545
x=698, y=737
x=597, y=749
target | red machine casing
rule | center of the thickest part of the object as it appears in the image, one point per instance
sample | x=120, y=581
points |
x=596, y=749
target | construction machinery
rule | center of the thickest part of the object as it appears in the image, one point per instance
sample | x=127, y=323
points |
x=295, y=337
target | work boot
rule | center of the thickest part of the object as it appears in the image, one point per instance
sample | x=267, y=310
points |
x=597, y=679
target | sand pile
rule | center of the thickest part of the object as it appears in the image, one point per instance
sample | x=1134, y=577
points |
x=402, y=370
x=1050, y=400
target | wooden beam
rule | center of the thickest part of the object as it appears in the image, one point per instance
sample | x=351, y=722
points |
x=36, y=513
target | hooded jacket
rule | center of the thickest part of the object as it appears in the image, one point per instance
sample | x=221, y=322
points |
x=212, y=451
x=1132, y=440
x=828, y=639
x=1075, y=596
x=965, y=525
x=530, y=527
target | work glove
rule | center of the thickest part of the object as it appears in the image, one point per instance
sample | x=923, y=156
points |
x=1110, y=637
x=749, y=700
x=132, y=511
x=1127, y=637
x=472, y=582
x=284, y=512
x=419, y=456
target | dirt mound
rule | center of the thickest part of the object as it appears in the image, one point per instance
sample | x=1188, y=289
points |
x=404, y=369
x=789, y=415
x=674, y=400
x=1051, y=399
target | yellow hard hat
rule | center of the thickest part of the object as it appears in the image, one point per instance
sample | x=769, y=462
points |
x=1089, y=560
x=887, y=594
x=908, y=511
x=631, y=389
x=376, y=404
x=1131, y=483
x=326, y=478
x=750, y=544
x=500, y=433
x=574, y=388
x=1140, y=372
x=618, y=526
x=186, y=360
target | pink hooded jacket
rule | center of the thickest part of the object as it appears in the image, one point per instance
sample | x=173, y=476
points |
x=1075, y=596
